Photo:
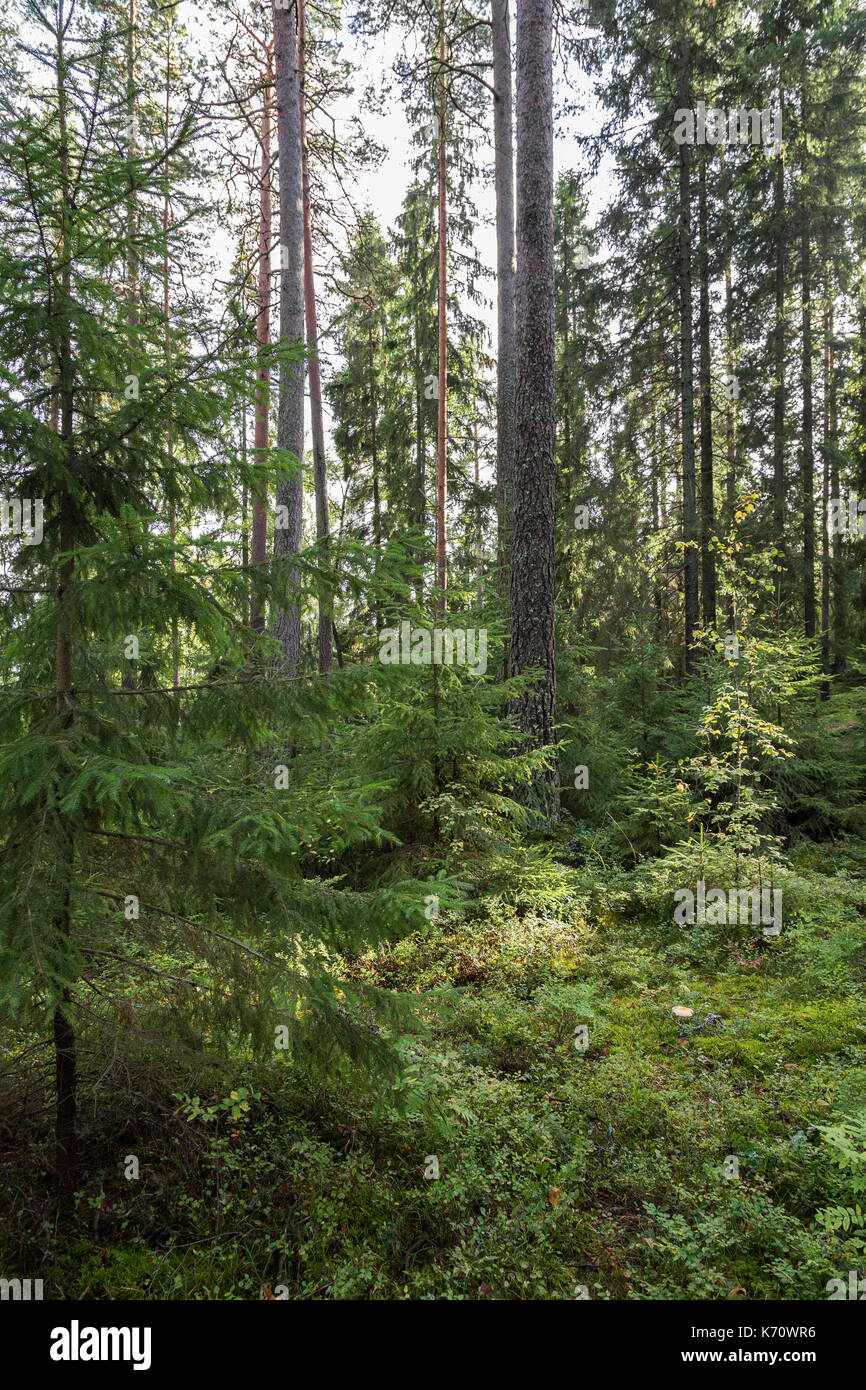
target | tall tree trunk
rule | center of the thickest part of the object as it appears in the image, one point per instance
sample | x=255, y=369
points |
x=132, y=266
x=442, y=422
x=829, y=444
x=63, y=1026
x=259, y=531
x=505, y=361
x=479, y=543
x=687, y=385
x=314, y=377
x=65, y=1048
x=730, y=419
x=166, y=310
x=419, y=510
x=778, y=351
x=290, y=414
x=374, y=460
x=807, y=465
x=133, y=288
x=533, y=548
x=708, y=513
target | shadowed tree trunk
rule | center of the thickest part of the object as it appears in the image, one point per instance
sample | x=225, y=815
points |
x=314, y=378
x=687, y=382
x=259, y=534
x=504, y=176
x=730, y=418
x=778, y=350
x=442, y=424
x=708, y=511
x=290, y=414
x=532, y=550
x=64, y=1032
x=829, y=444
x=807, y=456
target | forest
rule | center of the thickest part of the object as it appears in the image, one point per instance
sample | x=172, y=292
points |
x=432, y=651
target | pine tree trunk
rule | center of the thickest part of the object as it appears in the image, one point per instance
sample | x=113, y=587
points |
x=63, y=1028
x=166, y=310
x=778, y=350
x=532, y=551
x=133, y=287
x=314, y=377
x=828, y=441
x=259, y=531
x=132, y=266
x=731, y=419
x=807, y=466
x=442, y=423
x=419, y=511
x=708, y=515
x=290, y=414
x=505, y=362
x=374, y=460
x=687, y=386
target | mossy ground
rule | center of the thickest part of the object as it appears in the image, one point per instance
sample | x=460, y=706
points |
x=561, y=1167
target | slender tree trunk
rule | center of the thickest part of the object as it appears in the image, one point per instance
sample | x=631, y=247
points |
x=687, y=387
x=533, y=548
x=859, y=469
x=314, y=378
x=505, y=346
x=479, y=547
x=290, y=414
x=133, y=289
x=419, y=516
x=442, y=423
x=730, y=420
x=708, y=515
x=374, y=459
x=132, y=266
x=656, y=478
x=839, y=661
x=828, y=440
x=166, y=311
x=259, y=532
x=807, y=466
x=778, y=352
x=63, y=1026
x=65, y=1048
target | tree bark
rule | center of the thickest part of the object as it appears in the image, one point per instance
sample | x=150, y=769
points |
x=708, y=511
x=807, y=456
x=505, y=348
x=829, y=442
x=290, y=414
x=132, y=259
x=442, y=422
x=778, y=349
x=532, y=552
x=687, y=386
x=63, y=1026
x=731, y=420
x=314, y=377
x=259, y=531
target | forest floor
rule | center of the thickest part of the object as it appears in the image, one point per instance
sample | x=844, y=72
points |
x=528, y=1159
